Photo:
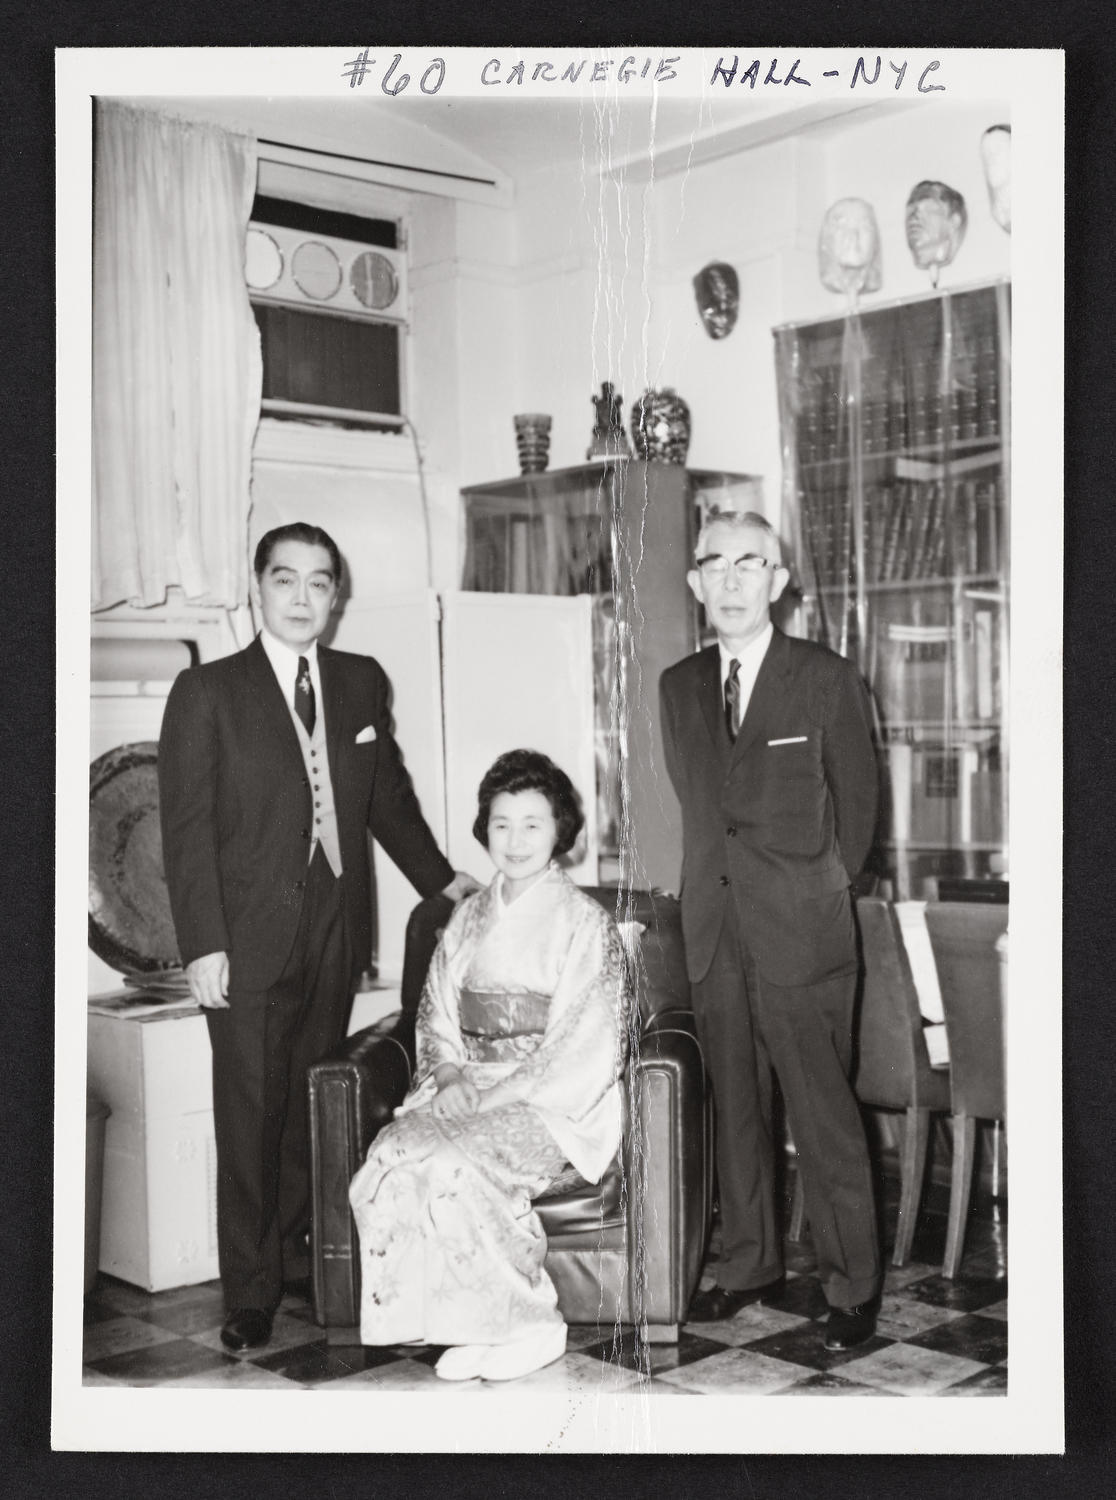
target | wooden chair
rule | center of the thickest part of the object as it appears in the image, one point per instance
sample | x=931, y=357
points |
x=964, y=939
x=892, y=1067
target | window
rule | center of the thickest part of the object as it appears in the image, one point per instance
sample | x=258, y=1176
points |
x=329, y=293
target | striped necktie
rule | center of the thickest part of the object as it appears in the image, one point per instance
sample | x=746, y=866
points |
x=304, y=705
x=732, y=699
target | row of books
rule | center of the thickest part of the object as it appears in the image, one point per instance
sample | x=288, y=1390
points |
x=949, y=795
x=913, y=529
x=893, y=384
x=925, y=421
x=940, y=673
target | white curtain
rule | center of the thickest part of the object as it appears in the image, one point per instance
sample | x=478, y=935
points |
x=177, y=372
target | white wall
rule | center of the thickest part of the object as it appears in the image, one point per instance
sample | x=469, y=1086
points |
x=744, y=210
x=580, y=306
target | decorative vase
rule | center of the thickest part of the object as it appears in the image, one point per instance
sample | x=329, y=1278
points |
x=532, y=438
x=661, y=427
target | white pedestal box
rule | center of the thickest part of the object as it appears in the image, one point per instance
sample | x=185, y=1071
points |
x=151, y=1064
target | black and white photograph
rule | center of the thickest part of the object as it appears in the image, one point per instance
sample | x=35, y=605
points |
x=554, y=902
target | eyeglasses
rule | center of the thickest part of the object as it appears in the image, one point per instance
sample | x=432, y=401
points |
x=716, y=567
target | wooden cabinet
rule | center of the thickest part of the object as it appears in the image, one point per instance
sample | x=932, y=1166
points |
x=623, y=532
x=896, y=502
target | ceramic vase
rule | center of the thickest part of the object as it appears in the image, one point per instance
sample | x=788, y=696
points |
x=661, y=427
x=532, y=438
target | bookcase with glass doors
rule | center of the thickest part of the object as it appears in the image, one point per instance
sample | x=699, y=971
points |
x=896, y=471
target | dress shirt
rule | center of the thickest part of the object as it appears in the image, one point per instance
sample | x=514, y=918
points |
x=750, y=659
x=284, y=663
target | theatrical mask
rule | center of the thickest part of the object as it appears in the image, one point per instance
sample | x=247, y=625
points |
x=936, y=224
x=849, y=248
x=995, y=153
x=717, y=290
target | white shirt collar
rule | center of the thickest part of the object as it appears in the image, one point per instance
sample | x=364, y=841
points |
x=284, y=661
x=749, y=656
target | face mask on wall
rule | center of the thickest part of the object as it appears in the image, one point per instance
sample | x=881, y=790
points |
x=717, y=290
x=995, y=153
x=849, y=249
x=936, y=224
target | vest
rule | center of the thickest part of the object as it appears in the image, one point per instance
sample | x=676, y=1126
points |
x=324, y=813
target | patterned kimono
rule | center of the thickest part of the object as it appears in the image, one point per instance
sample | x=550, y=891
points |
x=532, y=994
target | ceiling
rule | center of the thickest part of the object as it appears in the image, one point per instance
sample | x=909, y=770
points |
x=510, y=138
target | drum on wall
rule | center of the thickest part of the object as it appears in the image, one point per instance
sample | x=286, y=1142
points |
x=130, y=924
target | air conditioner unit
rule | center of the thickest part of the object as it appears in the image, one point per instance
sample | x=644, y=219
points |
x=296, y=268
x=332, y=319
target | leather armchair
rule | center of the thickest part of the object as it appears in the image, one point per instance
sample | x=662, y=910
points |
x=628, y=1250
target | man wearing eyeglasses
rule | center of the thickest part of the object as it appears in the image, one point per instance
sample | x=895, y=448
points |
x=768, y=744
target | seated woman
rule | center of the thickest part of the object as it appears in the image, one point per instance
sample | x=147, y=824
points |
x=521, y=1041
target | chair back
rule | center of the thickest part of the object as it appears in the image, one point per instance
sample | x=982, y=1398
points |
x=892, y=1065
x=658, y=967
x=963, y=937
x=424, y=928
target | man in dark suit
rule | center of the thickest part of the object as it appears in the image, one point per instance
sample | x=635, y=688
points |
x=768, y=744
x=273, y=764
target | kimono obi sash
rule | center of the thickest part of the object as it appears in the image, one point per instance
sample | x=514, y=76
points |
x=501, y=1026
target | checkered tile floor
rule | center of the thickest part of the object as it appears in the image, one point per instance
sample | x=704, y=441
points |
x=934, y=1338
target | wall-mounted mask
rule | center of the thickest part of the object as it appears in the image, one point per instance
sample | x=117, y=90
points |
x=717, y=290
x=995, y=153
x=849, y=249
x=936, y=224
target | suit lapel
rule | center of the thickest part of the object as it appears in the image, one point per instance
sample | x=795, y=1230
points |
x=769, y=685
x=264, y=686
x=333, y=694
x=708, y=686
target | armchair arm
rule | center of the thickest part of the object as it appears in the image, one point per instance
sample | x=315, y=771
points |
x=352, y=1094
x=669, y=1213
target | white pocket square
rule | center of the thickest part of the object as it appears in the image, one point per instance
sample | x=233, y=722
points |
x=366, y=735
x=794, y=739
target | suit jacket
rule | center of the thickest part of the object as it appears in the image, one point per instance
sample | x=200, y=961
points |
x=236, y=813
x=776, y=825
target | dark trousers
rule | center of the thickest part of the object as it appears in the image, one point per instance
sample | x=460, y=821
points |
x=262, y=1047
x=747, y=1027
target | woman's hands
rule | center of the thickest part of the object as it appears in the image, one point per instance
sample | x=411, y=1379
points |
x=457, y=1099
x=493, y=1098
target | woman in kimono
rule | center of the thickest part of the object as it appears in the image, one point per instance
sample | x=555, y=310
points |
x=521, y=1040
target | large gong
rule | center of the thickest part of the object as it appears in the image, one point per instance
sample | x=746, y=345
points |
x=130, y=924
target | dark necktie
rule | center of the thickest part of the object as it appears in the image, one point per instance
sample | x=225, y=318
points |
x=732, y=699
x=304, y=704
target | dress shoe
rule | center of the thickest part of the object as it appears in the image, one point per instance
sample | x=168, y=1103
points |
x=523, y=1356
x=718, y=1303
x=246, y=1328
x=462, y=1362
x=849, y=1326
x=300, y=1287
